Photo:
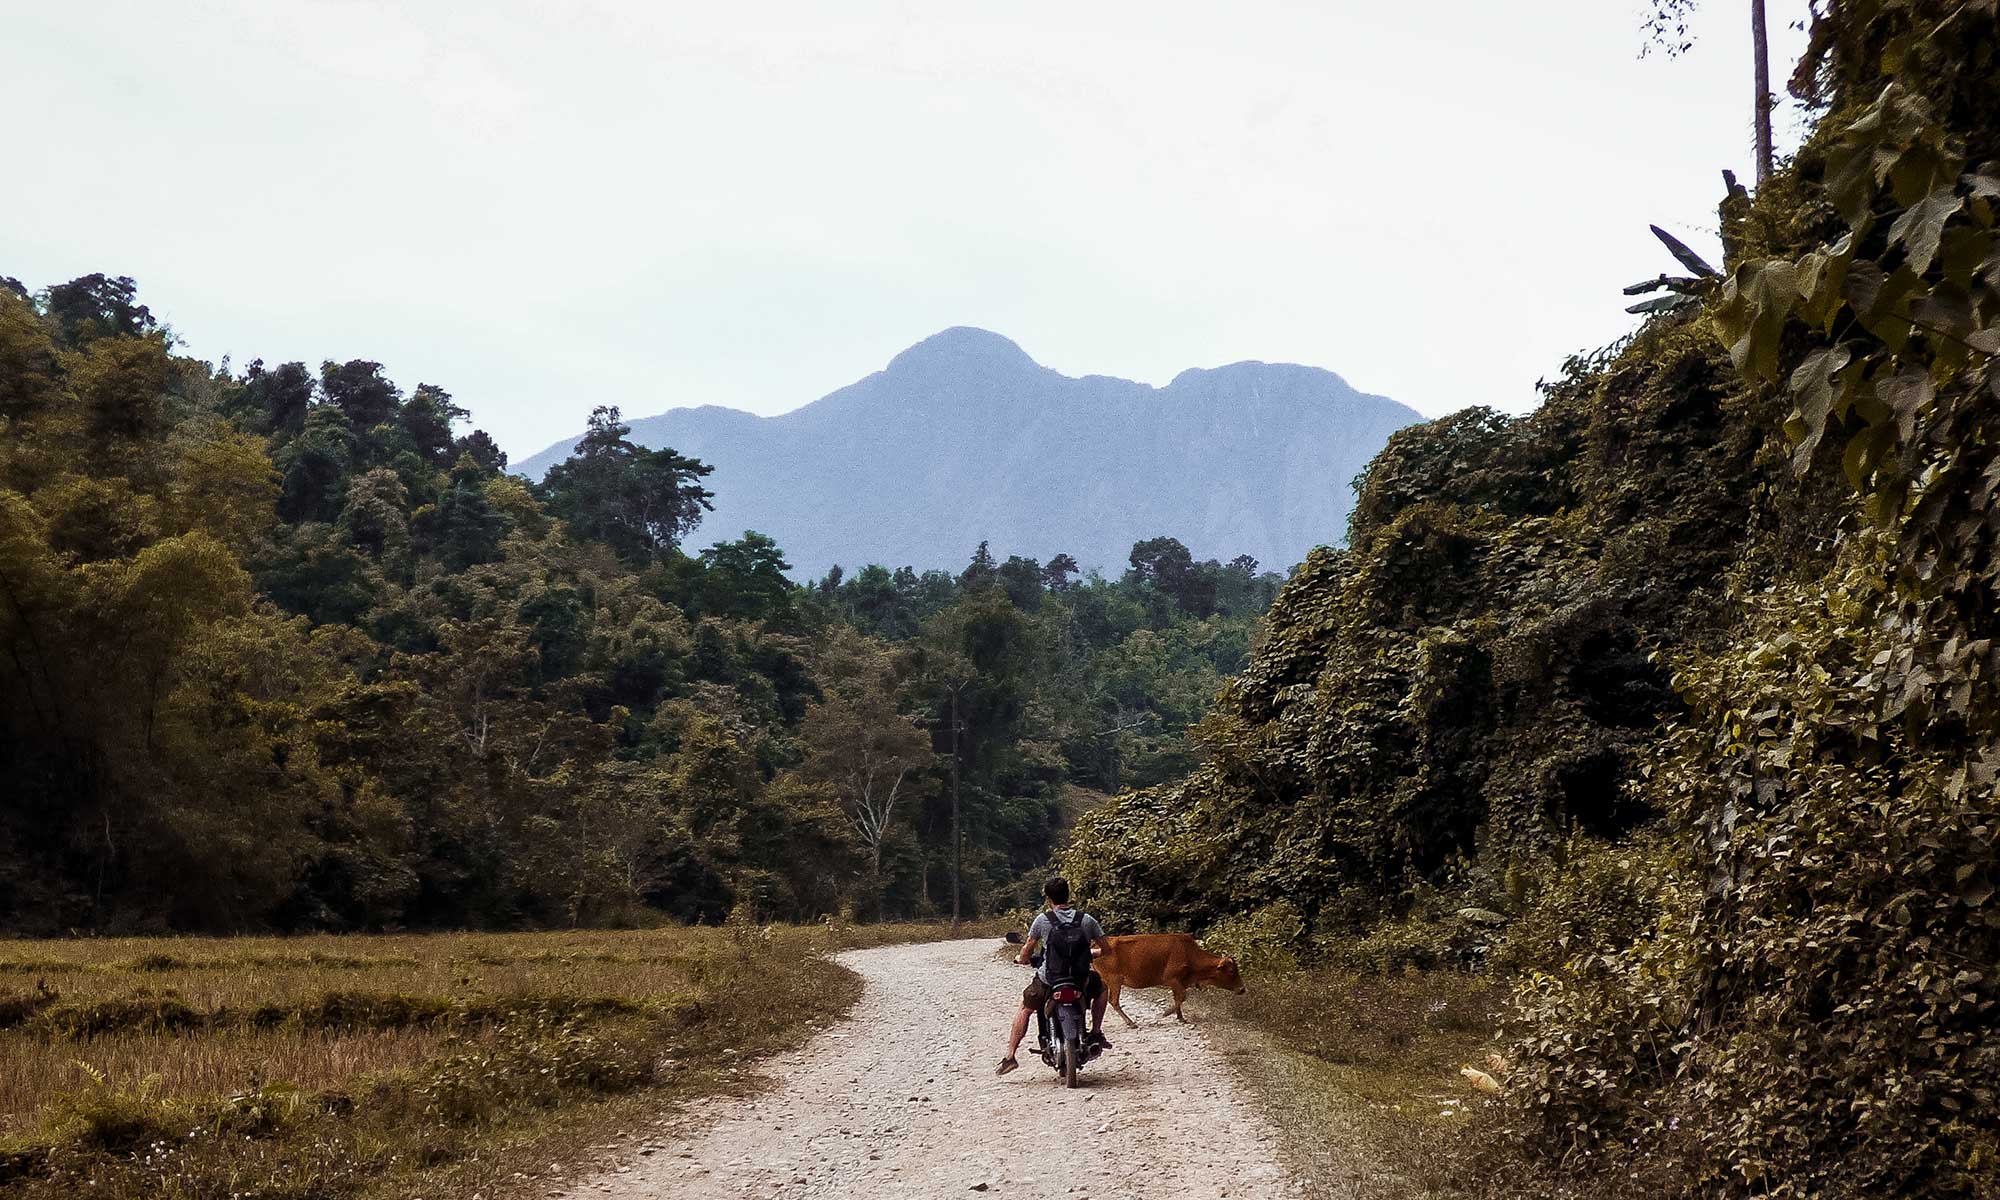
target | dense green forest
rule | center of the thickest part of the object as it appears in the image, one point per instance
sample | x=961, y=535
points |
x=1676, y=698
x=287, y=649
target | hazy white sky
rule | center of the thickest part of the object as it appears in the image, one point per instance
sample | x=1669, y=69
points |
x=547, y=206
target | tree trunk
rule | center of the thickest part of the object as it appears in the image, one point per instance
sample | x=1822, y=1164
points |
x=1760, y=49
x=875, y=878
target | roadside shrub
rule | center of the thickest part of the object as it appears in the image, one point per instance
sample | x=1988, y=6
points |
x=141, y=1012
x=17, y=1008
x=344, y=1010
x=1435, y=936
x=349, y=1010
x=106, y=1115
x=1600, y=900
x=534, y=1063
x=1413, y=944
x=1268, y=939
x=1417, y=1022
x=266, y=1110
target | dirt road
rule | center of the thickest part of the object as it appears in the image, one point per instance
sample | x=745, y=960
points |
x=901, y=1099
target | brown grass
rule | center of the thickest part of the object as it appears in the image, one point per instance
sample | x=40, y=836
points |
x=197, y=1069
x=246, y=987
x=240, y=1066
x=1360, y=1075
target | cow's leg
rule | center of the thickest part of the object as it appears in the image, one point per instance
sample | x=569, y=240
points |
x=1180, y=994
x=1111, y=989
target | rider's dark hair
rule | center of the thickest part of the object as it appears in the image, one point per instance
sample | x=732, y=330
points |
x=1057, y=890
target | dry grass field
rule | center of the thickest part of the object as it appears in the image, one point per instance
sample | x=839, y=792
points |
x=318, y=1068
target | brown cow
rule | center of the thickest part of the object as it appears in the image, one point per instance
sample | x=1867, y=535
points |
x=1171, y=960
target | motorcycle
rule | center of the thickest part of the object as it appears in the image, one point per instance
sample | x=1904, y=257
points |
x=1062, y=1027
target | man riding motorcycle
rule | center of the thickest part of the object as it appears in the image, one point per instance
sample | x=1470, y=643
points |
x=1059, y=915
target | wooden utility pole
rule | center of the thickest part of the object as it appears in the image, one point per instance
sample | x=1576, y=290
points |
x=1760, y=49
x=957, y=838
x=1667, y=28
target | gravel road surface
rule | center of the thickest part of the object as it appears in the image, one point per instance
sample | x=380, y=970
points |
x=900, y=1099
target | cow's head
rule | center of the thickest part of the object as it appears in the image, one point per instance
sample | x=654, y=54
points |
x=1228, y=977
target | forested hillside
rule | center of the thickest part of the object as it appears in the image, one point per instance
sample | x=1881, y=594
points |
x=285, y=648
x=1675, y=700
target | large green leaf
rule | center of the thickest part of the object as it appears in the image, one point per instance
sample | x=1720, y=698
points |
x=1752, y=314
x=1907, y=393
x=1921, y=225
x=1870, y=148
x=1821, y=276
x=1963, y=250
x=1878, y=301
x=1947, y=309
x=1812, y=386
x=1863, y=451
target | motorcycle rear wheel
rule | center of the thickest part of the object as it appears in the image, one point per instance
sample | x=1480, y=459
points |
x=1072, y=1057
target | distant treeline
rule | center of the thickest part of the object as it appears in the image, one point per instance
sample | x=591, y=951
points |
x=285, y=648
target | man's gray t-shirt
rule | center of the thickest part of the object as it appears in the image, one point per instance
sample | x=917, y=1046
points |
x=1040, y=930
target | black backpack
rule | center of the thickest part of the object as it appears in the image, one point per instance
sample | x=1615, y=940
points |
x=1068, y=951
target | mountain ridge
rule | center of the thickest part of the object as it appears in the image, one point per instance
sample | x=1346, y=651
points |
x=963, y=437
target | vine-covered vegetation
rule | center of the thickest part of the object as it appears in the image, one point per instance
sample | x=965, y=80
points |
x=287, y=649
x=1677, y=698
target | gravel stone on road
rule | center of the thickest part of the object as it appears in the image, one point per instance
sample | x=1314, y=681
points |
x=900, y=1099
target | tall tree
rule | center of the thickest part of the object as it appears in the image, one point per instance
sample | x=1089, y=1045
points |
x=1058, y=574
x=484, y=450
x=360, y=392
x=979, y=572
x=1021, y=579
x=1166, y=565
x=96, y=306
x=314, y=465
x=745, y=578
x=463, y=528
x=29, y=374
x=360, y=677
x=642, y=502
x=863, y=748
x=427, y=416
x=278, y=397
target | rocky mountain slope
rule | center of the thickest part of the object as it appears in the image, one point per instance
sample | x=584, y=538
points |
x=963, y=438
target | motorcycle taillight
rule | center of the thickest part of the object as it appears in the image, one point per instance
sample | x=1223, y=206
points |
x=1068, y=995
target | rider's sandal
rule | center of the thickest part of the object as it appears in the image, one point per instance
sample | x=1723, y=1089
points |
x=1006, y=1064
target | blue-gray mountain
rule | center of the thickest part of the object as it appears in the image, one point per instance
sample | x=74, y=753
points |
x=963, y=438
